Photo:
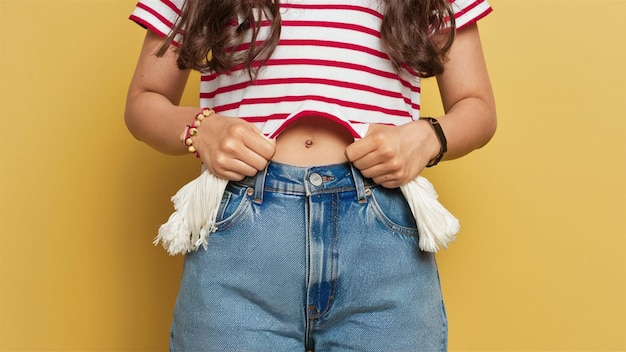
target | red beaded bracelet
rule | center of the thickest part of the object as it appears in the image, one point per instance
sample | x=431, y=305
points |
x=192, y=130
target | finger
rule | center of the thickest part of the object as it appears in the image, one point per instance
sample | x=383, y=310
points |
x=253, y=160
x=390, y=184
x=388, y=180
x=377, y=173
x=245, y=168
x=256, y=141
x=236, y=156
x=368, y=161
x=243, y=134
x=231, y=176
x=360, y=149
x=245, y=150
x=234, y=170
x=260, y=145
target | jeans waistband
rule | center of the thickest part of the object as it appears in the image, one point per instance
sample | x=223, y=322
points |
x=308, y=180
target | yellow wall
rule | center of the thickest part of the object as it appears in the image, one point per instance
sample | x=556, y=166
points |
x=539, y=264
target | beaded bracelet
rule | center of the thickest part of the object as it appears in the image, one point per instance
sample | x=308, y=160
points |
x=192, y=130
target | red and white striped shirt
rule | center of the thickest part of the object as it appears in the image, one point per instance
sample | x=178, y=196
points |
x=329, y=62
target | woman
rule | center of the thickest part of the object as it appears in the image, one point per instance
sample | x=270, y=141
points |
x=315, y=121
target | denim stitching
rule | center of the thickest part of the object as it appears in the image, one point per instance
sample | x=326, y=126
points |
x=385, y=221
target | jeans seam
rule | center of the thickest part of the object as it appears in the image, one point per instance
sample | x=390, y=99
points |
x=333, y=260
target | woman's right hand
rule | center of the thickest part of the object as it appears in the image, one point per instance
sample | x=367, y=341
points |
x=232, y=148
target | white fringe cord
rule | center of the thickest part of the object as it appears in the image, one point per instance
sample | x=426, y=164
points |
x=436, y=225
x=196, y=205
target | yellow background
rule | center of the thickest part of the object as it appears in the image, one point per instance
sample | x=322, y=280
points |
x=540, y=263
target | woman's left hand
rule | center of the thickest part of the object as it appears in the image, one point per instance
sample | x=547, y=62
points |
x=394, y=155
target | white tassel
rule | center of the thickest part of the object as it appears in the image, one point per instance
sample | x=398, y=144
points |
x=437, y=226
x=196, y=205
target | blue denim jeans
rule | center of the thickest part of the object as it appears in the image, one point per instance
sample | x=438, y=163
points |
x=310, y=258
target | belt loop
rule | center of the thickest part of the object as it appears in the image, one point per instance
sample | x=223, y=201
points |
x=259, y=185
x=359, y=184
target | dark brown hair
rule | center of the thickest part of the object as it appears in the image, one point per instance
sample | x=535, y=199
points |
x=416, y=34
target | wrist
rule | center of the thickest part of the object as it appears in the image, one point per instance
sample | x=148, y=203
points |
x=191, y=131
x=441, y=138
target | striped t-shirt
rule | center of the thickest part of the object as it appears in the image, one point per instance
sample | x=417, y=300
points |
x=329, y=62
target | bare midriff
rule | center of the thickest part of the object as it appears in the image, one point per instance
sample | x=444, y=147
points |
x=312, y=141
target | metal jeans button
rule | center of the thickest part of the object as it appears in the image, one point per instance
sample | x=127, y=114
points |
x=315, y=179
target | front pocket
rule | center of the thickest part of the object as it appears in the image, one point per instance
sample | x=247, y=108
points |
x=235, y=204
x=391, y=209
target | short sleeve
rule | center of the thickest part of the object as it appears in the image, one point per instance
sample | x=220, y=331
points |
x=469, y=11
x=159, y=16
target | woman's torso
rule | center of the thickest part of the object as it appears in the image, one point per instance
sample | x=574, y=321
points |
x=312, y=141
x=327, y=80
x=330, y=62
